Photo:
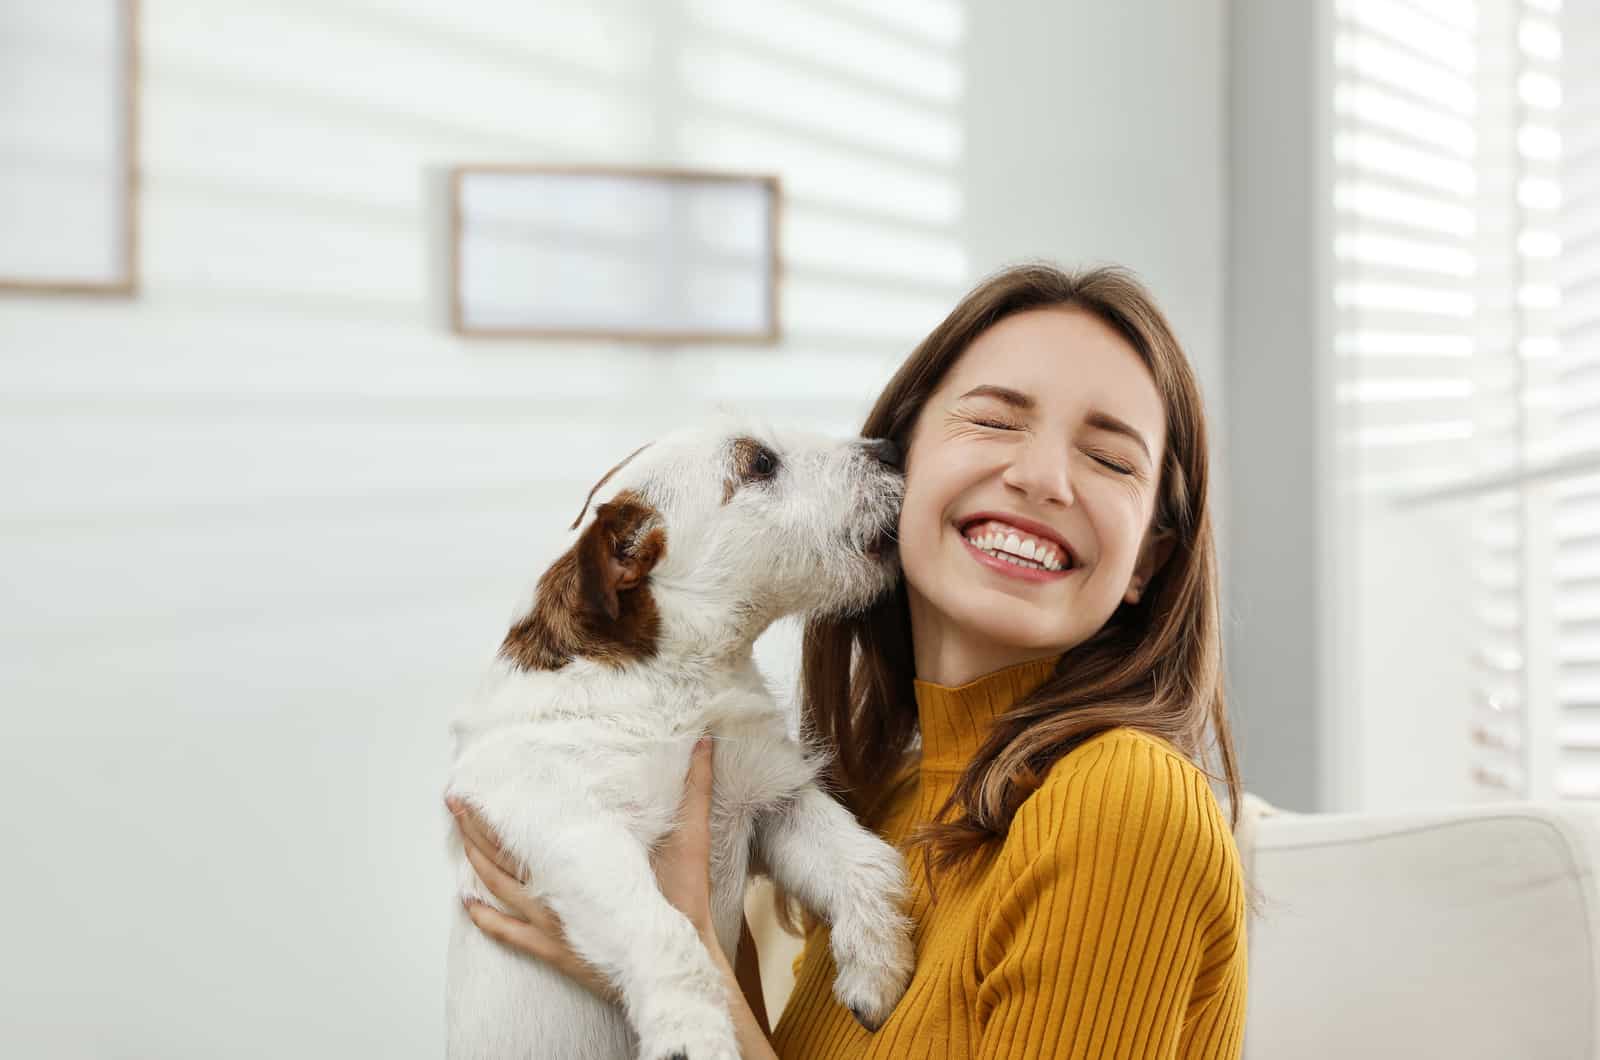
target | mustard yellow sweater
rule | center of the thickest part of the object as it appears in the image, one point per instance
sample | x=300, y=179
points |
x=1110, y=925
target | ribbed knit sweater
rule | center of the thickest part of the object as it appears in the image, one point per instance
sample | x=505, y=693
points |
x=1109, y=923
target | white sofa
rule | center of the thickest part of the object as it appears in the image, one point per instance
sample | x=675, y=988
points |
x=1467, y=933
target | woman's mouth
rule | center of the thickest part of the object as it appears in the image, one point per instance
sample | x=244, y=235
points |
x=1012, y=552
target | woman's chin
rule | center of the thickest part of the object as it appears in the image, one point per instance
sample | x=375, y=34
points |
x=1009, y=623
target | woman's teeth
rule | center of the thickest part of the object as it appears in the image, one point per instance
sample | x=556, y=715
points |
x=1015, y=548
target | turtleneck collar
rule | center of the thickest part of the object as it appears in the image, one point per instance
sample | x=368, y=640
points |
x=956, y=720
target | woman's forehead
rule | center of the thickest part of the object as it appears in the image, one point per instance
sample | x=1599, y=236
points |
x=1060, y=358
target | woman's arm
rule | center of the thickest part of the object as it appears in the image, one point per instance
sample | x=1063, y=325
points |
x=754, y=1043
x=683, y=871
x=747, y=968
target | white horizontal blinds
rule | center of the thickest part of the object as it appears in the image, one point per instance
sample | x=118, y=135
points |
x=1425, y=306
x=1502, y=710
x=1572, y=375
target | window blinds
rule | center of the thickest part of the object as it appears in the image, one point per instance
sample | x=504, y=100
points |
x=1572, y=384
x=1467, y=337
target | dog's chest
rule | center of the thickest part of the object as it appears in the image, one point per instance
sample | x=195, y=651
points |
x=755, y=771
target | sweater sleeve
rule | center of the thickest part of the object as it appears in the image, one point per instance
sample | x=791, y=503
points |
x=1119, y=930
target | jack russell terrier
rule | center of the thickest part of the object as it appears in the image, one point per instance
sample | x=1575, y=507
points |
x=576, y=749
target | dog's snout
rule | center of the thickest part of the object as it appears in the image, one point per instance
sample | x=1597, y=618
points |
x=884, y=451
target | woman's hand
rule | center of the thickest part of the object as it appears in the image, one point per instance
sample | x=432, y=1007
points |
x=683, y=861
x=530, y=926
x=683, y=872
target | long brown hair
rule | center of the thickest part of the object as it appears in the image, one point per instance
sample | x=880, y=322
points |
x=1154, y=666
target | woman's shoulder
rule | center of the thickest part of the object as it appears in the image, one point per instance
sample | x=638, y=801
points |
x=1117, y=755
x=1116, y=751
x=1126, y=736
x=1128, y=796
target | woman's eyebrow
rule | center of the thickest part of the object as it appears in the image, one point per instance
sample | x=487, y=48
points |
x=1014, y=398
x=1017, y=399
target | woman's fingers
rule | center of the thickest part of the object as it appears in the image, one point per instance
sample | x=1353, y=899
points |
x=529, y=925
x=552, y=949
x=512, y=891
x=480, y=835
x=519, y=934
x=503, y=885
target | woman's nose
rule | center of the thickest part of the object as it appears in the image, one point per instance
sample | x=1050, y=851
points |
x=1042, y=473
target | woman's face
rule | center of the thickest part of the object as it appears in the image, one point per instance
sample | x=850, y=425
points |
x=1026, y=503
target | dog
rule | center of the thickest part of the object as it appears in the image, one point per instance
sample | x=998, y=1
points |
x=576, y=748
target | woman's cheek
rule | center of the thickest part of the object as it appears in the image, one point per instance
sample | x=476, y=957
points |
x=921, y=527
x=916, y=539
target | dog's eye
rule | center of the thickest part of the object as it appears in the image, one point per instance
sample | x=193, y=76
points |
x=752, y=462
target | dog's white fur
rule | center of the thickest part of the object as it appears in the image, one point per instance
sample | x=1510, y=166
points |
x=580, y=770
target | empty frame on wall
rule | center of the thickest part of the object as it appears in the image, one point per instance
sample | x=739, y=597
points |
x=68, y=130
x=652, y=255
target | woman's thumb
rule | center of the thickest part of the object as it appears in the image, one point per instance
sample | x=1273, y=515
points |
x=698, y=795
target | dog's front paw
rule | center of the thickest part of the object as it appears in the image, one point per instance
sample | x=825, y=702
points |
x=718, y=1052
x=709, y=1043
x=871, y=981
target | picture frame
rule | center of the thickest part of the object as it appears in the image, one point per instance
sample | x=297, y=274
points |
x=617, y=253
x=70, y=207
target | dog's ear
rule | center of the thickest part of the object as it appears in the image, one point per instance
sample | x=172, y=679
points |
x=616, y=553
x=594, y=601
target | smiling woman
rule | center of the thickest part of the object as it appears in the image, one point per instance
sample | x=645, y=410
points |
x=1025, y=718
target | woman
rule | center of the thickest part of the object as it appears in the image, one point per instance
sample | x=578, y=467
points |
x=1025, y=714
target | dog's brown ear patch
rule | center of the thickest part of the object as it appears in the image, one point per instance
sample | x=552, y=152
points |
x=594, y=602
x=616, y=554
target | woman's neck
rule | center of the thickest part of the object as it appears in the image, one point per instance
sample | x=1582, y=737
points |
x=946, y=655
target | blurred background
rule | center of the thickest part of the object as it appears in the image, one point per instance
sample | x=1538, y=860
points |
x=267, y=514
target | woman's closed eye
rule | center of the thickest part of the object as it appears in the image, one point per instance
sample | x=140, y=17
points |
x=989, y=417
x=1002, y=425
x=1121, y=469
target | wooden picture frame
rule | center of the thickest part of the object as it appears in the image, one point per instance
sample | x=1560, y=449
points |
x=686, y=236
x=118, y=231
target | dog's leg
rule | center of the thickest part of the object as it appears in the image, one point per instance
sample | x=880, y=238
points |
x=855, y=881
x=595, y=875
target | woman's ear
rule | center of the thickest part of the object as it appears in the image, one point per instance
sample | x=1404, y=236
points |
x=617, y=552
x=1157, y=548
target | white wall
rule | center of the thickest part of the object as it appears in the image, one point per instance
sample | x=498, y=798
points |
x=1285, y=543
x=264, y=522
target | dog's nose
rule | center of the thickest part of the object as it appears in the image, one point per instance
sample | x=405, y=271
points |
x=884, y=451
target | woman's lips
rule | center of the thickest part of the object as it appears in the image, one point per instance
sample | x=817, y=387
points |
x=1027, y=574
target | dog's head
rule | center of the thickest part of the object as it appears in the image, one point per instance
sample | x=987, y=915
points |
x=702, y=539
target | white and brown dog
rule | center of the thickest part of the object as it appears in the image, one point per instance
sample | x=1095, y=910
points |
x=575, y=751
